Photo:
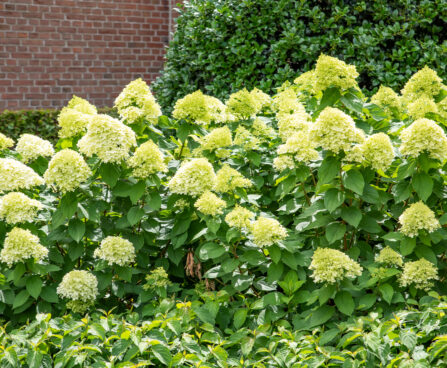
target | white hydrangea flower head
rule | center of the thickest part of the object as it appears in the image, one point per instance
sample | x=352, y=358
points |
x=115, y=250
x=79, y=285
x=5, y=142
x=210, y=204
x=31, y=147
x=267, y=231
x=217, y=138
x=239, y=217
x=137, y=101
x=306, y=82
x=332, y=72
x=420, y=274
x=16, y=207
x=418, y=217
x=300, y=147
x=147, y=160
x=261, y=130
x=244, y=104
x=107, y=138
x=228, y=179
x=389, y=257
x=378, y=151
x=200, y=109
x=388, y=100
x=283, y=162
x=421, y=106
x=74, y=118
x=442, y=107
x=67, y=170
x=193, y=178
x=425, y=82
x=424, y=135
x=14, y=176
x=21, y=245
x=331, y=266
x=245, y=139
x=335, y=131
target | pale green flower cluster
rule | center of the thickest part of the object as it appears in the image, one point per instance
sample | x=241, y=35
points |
x=239, y=217
x=31, y=147
x=5, y=142
x=16, y=207
x=418, y=217
x=267, y=231
x=245, y=139
x=157, y=278
x=261, y=130
x=21, y=245
x=210, y=204
x=217, y=138
x=136, y=101
x=421, y=106
x=390, y=257
x=306, y=82
x=228, y=179
x=244, y=104
x=377, y=151
x=14, y=175
x=332, y=72
x=335, y=131
x=147, y=160
x=74, y=118
x=388, y=100
x=81, y=287
x=442, y=109
x=115, y=250
x=300, y=147
x=283, y=162
x=331, y=265
x=425, y=82
x=424, y=135
x=290, y=114
x=200, y=109
x=181, y=204
x=194, y=178
x=67, y=170
x=420, y=274
x=107, y=138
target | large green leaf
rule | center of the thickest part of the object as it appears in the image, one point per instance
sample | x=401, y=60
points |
x=344, y=302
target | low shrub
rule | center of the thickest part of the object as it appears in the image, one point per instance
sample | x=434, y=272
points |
x=180, y=336
x=304, y=209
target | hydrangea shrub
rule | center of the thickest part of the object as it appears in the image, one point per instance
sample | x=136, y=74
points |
x=312, y=204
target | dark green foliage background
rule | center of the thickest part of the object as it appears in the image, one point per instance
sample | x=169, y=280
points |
x=222, y=46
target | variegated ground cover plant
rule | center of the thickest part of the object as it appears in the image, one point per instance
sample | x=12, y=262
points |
x=300, y=209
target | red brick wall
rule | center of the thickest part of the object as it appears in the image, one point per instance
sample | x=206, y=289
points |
x=52, y=49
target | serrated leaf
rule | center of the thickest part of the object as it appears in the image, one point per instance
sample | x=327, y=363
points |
x=352, y=215
x=134, y=215
x=423, y=185
x=335, y=231
x=76, y=229
x=344, y=302
x=329, y=169
x=354, y=181
x=387, y=292
x=34, y=286
x=333, y=198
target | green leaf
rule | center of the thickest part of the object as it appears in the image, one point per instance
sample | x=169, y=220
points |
x=333, y=198
x=239, y=317
x=110, y=173
x=321, y=315
x=407, y=246
x=344, y=302
x=76, y=229
x=48, y=293
x=352, y=215
x=387, y=292
x=329, y=169
x=330, y=97
x=423, y=185
x=69, y=204
x=325, y=293
x=211, y=250
x=335, y=231
x=137, y=191
x=353, y=180
x=154, y=201
x=134, y=215
x=20, y=299
x=34, y=286
x=408, y=338
x=162, y=353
